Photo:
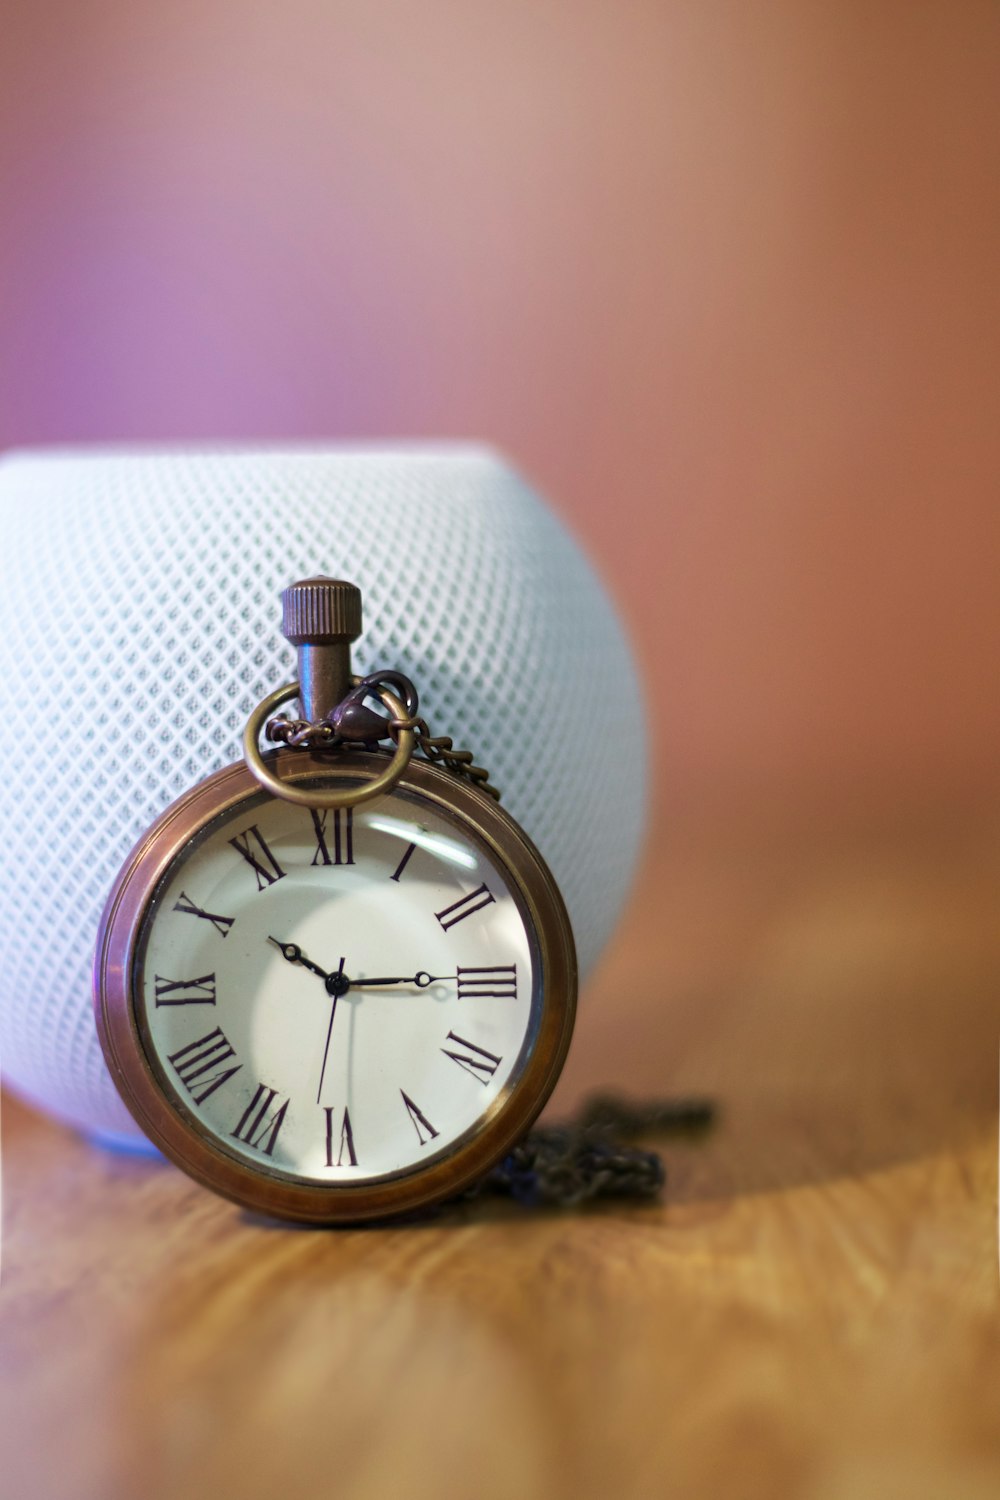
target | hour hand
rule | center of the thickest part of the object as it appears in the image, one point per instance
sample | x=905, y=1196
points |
x=294, y=955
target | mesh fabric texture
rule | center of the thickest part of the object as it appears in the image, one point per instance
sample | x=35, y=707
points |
x=139, y=625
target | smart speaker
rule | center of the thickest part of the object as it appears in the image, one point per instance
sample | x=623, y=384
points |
x=138, y=630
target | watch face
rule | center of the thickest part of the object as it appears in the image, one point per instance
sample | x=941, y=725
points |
x=338, y=997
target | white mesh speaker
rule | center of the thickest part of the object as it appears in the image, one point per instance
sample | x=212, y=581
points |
x=139, y=625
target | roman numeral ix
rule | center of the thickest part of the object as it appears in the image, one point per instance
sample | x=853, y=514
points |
x=482, y=1067
x=346, y=1140
x=490, y=984
x=257, y=1128
x=465, y=906
x=251, y=845
x=201, y=1057
x=185, y=991
x=343, y=837
x=221, y=924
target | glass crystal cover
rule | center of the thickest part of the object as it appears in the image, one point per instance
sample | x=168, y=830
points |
x=337, y=996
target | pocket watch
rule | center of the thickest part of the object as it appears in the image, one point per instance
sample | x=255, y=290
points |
x=336, y=981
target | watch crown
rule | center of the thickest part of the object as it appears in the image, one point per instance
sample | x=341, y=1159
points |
x=316, y=611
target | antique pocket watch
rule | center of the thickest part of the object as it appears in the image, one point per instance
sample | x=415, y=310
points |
x=335, y=981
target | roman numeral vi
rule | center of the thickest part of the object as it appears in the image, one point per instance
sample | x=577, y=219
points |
x=346, y=1140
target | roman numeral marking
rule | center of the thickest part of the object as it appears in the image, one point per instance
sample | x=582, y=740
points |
x=419, y=1119
x=489, y=984
x=191, y=1063
x=346, y=1140
x=343, y=837
x=403, y=862
x=256, y=1127
x=266, y=873
x=482, y=1067
x=221, y=924
x=185, y=991
x=465, y=907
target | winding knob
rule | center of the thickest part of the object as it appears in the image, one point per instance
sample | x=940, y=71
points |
x=321, y=617
x=321, y=611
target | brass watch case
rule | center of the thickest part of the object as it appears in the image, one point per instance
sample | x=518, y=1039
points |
x=195, y=1149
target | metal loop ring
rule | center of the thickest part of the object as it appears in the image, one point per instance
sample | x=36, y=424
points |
x=315, y=796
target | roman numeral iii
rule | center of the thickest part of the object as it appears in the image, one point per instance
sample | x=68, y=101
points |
x=490, y=984
x=220, y=923
x=466, y=906
x=342, y=836
x=205, y=1056
x=258, y=1128
x=482, y=1066
x=185, y=991
x=258, y=856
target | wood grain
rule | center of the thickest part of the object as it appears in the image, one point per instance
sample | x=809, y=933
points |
x=812, y=1312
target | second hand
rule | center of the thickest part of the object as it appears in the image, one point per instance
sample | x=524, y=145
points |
x=329, y=1034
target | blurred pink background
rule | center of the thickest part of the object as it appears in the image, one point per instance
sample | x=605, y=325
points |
x=720, y=277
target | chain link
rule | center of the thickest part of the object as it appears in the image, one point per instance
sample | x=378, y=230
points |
x=301, y=734
x=439, y=750
x=587, y=1157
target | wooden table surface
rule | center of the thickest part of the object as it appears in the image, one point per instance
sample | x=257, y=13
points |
x=812, y=1311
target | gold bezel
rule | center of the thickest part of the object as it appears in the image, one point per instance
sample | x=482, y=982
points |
x=186, y=1141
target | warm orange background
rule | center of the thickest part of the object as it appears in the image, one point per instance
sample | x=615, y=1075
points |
x=722, y=277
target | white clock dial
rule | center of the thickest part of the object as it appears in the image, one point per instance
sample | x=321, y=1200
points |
x=253, y=998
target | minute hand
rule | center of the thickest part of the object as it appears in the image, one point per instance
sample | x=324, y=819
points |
x=421, y=979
